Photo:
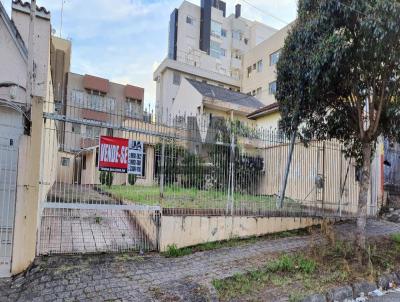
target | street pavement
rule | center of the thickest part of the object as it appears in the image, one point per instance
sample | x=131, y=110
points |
x=130, y=277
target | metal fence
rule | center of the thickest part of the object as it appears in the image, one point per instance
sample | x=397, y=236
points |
x=192, y=165
x=392, y=167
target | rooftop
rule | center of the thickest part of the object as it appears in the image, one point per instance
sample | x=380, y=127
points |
x=274, y=107
x=226, y=95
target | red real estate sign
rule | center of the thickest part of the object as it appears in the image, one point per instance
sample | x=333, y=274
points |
x=113, y=155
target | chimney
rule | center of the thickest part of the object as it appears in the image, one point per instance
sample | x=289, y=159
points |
x=238, y=9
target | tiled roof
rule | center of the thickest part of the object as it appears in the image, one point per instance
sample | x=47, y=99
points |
x=28, y=5
x=274, y=107
x=226, y=95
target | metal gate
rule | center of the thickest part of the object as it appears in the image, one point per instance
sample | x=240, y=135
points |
x=10, y=131
x=78, y=214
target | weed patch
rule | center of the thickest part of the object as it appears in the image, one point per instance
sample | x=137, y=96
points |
x=173, y=251
x=312, y=271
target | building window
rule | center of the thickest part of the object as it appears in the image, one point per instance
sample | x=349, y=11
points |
x=216, y=29
x=65, y=161
x=215, y=49
x=176, y=78
x=259, y=90
x=237, y=35
x=133, y=108
x=274, y=57
x=93, y=100
x=84, y=162
x=246, y=41
x=93, y=132
x=223, y=33
x=249, y=69
x=272, y=88
x=260, y=66
x=76, y=128
x=223, y=52
x=190, y=20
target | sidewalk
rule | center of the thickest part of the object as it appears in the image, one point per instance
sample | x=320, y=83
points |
x=127, y=277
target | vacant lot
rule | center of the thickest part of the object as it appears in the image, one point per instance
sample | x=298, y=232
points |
x=178, y=197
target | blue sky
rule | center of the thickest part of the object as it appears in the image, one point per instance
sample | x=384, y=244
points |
x=124, y=40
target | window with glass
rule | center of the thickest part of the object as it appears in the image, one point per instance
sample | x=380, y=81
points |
x=223, y=52
x=215, y=49
x=76, y=128
x=93, y=132
x=65, y=161
x=223, y=33
x=259, y=66
x=249, y=70
x=237, y=35
x=176, y=80
x=132, y=107
x=272, y=88
x=190, y=20
x=216, y=29
x=274, y=57
x=93, y=100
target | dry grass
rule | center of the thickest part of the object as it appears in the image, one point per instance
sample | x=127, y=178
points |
x=315, y=270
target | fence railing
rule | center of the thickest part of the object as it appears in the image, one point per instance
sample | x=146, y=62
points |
x=204, y=165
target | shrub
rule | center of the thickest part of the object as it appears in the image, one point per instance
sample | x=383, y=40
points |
x=106, y=178
x=132, y=179
x=396, y=237
x=173, y=251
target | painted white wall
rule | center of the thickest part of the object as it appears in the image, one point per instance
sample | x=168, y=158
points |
x=187, y=100
x=13, y=66
x=41, y=49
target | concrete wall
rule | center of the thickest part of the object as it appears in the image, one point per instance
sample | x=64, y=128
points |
x=269, y=121
x=192, y=230
x=30, y=170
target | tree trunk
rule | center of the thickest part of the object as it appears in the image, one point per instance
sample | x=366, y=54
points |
x=363, y=196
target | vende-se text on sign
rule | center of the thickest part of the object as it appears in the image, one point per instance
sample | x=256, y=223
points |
x=113, y=155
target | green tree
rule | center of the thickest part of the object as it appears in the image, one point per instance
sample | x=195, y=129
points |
x=338, y=77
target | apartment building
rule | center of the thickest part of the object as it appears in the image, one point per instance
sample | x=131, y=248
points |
x=259, y=80
x=206, y=45
x=98, y=100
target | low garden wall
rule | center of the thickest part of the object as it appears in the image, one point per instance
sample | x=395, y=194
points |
x=192, y=230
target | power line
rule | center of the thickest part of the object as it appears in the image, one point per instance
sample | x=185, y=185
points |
x=266, y=13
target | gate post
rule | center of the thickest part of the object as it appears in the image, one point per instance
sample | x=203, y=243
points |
x=27, y=199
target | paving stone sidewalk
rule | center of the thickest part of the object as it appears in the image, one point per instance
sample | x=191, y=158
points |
x=128, y=277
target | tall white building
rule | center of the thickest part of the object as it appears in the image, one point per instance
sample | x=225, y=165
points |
x=206, y=46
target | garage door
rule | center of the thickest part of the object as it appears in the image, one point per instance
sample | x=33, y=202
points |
x=10, y=132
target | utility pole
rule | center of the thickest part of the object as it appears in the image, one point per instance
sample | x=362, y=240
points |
x=282, y=190
x=61, y=19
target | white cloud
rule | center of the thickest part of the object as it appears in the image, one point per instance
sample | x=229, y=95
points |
x=125, y=40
